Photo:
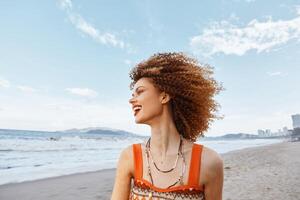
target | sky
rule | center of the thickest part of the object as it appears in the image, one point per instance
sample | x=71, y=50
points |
x=65, y=64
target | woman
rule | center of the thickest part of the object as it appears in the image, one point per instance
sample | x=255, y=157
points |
x=173, y=94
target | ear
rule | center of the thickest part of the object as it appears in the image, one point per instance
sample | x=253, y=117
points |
x=165, y=97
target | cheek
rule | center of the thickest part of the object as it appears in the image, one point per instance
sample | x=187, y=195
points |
x=153, y=106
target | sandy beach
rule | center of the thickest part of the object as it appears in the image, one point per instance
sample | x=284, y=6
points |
x=267, y=172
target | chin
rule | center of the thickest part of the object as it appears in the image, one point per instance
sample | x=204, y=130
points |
x=139, y=121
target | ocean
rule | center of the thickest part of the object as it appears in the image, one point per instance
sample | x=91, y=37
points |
x=32, y=155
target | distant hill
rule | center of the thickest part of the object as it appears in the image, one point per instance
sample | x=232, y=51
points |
x=84, y=130
x=239, y=136
x=90, y=131
x=103, y=131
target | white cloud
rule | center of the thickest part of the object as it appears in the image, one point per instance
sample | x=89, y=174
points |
x=246, y=1
x=66, y=4
x=4, y=83
x=227, y=38
x=88, y=29
x=274, y=73
x=86, y=92
x=58, y=107
x=233, y=17
x=277, y=73
x=25, y=88
x=42, y=112
x=297, y=7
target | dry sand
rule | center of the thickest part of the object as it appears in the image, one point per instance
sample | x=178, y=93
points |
x=268, y=172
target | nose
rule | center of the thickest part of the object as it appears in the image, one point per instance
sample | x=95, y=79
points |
x=131, y=100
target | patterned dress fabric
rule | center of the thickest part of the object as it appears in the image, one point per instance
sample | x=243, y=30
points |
x=144, y=190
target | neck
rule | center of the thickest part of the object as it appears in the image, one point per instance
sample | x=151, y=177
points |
x=165, y=140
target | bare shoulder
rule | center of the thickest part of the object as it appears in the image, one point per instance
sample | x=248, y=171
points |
x=126, y=160
x=212, y=164
x=124, y=174
x=127, y=151
x=211, y=156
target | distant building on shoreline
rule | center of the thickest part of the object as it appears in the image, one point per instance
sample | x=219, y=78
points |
x=296, y=121
x=280, y=133
x=285, y=132
x=295, y=136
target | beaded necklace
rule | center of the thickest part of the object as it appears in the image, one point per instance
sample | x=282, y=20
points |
x=180, y=179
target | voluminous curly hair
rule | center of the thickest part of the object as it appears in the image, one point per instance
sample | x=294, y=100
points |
x=190, y=86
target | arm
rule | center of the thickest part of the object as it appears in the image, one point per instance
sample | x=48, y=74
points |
x=123, y=175
x=214, y=184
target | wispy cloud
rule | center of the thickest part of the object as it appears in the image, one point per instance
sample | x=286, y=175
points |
x=59, y=107
x=85, y=92
x=88, y=29
x=42, y=112
x=247, y=1
x=297, y=8
x=24, y=88
x=4, y=83
x=227, y=38
x=277, y=73
x=66, y=4
x=274, y=73
x=27, y=89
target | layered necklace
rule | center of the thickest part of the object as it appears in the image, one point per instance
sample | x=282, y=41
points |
x=179, y=153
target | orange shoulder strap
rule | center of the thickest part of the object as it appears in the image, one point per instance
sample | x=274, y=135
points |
x=138, y=161
x=195, y=165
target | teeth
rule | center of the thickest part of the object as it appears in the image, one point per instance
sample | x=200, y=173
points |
x=137, y=108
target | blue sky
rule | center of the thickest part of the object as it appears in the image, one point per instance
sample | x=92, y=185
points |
x=65, y=64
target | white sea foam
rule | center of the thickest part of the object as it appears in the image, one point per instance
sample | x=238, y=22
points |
x=24, y=158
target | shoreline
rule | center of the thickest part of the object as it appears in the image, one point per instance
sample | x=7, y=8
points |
x=60, y=177
x=262, y=167
x=81, y=171
x=254, y=147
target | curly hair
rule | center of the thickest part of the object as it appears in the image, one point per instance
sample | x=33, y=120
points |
x=190, y=86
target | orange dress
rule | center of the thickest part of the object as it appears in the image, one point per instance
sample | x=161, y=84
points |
x=142, y=188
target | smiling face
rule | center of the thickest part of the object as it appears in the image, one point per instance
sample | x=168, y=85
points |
x=147, y=101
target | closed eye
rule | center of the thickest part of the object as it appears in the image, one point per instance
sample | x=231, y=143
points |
x=137, y=92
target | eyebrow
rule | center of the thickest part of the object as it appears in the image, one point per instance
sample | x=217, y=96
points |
x=136, y=89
